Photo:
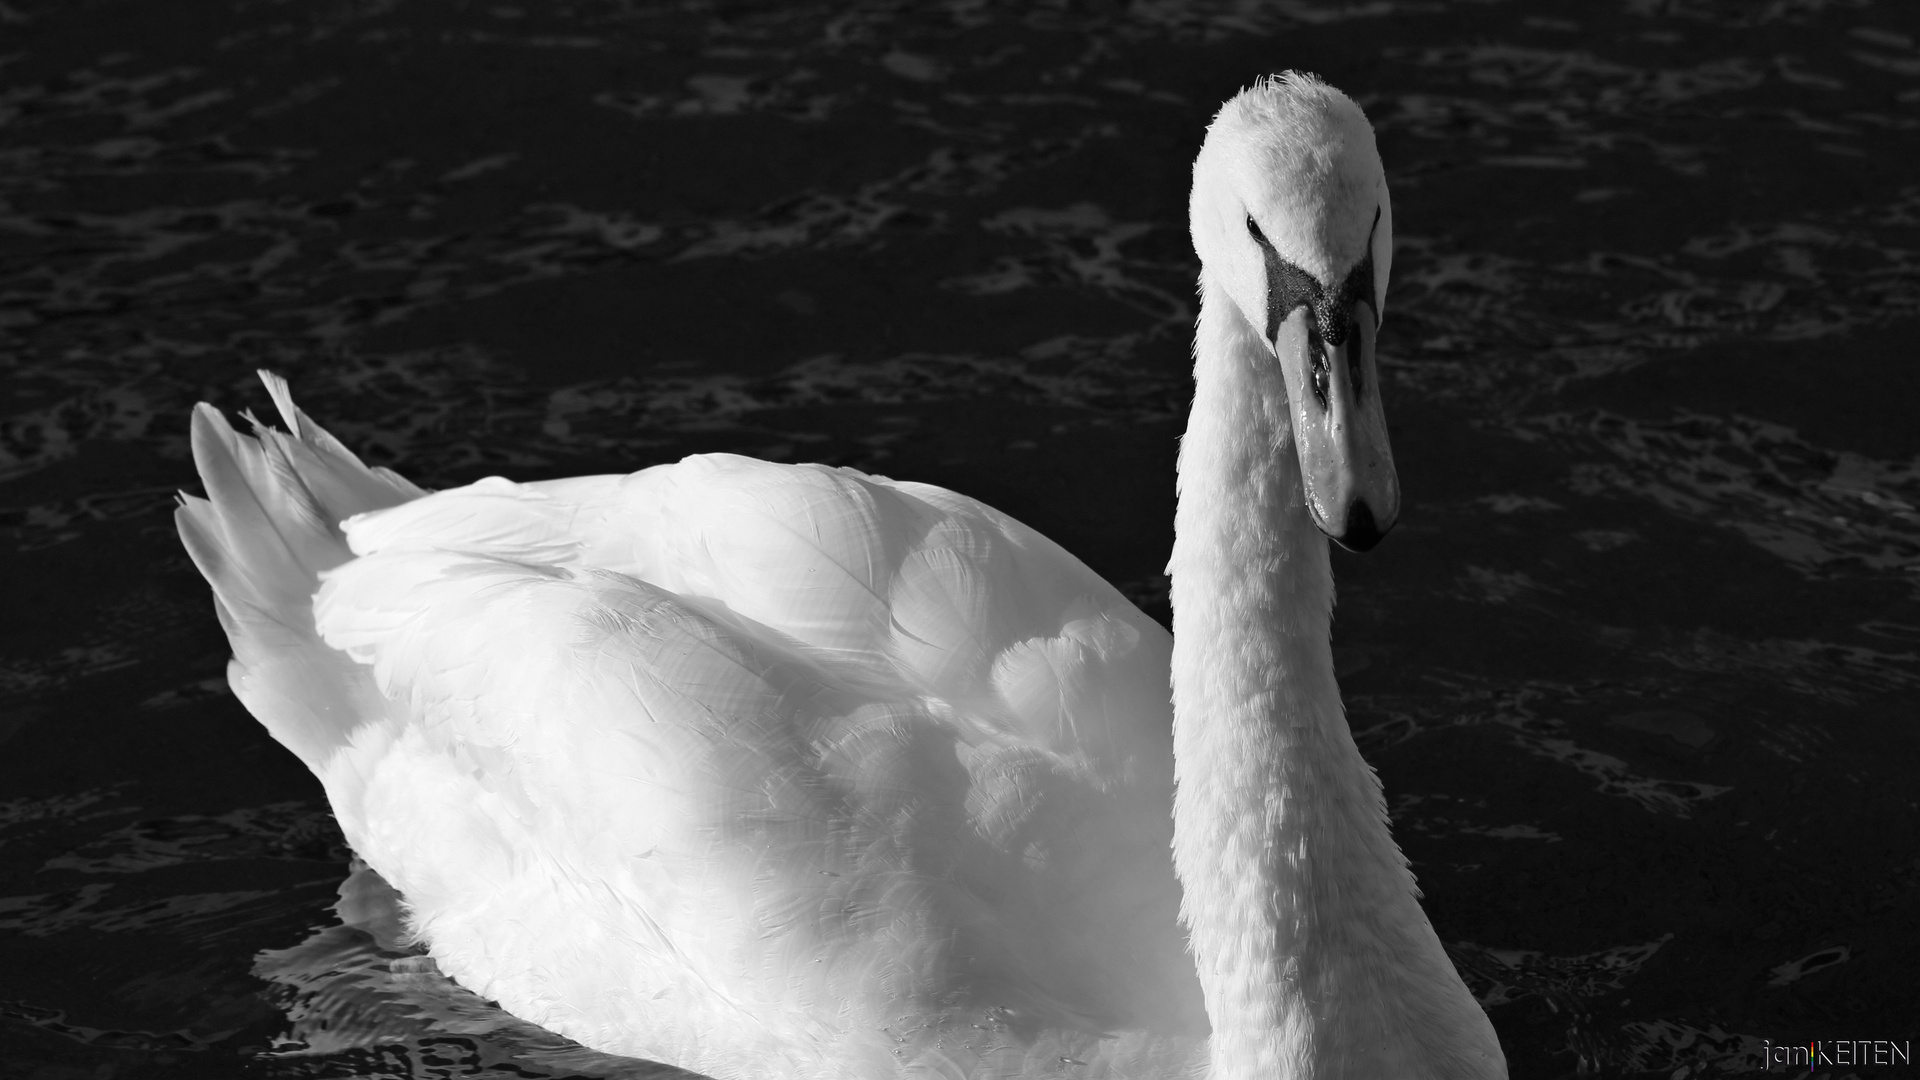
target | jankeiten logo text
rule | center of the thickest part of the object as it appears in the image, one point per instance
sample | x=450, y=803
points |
x=1838, y=1052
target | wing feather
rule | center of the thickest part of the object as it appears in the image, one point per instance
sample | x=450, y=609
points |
x=731, y=746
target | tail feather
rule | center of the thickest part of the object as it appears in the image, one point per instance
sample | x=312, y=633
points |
x=269, y=527
x=335, y=479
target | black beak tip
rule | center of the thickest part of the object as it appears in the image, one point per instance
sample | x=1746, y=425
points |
x=1362, y=532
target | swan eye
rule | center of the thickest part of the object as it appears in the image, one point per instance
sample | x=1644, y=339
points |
x=1253, y=228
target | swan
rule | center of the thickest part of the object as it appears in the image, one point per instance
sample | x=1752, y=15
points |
x=786, y=770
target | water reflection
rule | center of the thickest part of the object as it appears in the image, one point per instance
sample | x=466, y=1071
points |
x=358, y=992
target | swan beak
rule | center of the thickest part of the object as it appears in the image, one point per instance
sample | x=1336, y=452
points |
x=1340, y=427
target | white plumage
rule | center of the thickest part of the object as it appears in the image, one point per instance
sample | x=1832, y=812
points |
x=785, y=770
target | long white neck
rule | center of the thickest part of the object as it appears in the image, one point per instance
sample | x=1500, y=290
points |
x=1313, y=953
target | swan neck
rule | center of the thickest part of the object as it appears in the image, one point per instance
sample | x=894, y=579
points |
x=1280, y=835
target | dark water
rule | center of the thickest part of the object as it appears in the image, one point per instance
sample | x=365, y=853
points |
x=1638, y=668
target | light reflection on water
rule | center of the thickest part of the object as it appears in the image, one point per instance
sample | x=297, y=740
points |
x=1637, y=668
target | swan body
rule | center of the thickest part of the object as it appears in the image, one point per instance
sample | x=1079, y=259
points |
x=786, y=770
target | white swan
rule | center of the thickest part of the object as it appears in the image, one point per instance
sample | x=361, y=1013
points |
x=769, y=770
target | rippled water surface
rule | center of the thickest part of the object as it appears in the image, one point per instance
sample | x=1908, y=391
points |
x=1638, y=668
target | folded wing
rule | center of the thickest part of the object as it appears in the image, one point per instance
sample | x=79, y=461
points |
x=731, y=745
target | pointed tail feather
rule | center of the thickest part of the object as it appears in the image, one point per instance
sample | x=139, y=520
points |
x=270, y=525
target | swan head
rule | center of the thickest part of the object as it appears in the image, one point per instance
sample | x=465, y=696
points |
x=1291, y=220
